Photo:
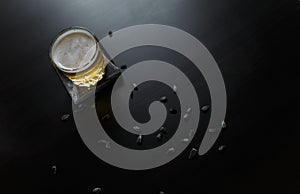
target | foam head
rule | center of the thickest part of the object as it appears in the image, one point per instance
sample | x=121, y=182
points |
x=74, y=50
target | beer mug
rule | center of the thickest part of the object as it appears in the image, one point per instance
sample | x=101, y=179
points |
x=76, y=52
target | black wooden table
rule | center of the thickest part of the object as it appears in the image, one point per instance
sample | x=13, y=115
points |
x=256, y=45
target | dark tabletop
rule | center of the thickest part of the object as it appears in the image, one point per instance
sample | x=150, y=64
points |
x=256, y=45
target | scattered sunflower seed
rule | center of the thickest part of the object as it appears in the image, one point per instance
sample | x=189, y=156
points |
x=192, y=153
x=96, y=190
x=123, y=67
x=163, y=130
x=54, y=168
x=222, y=148
x=224, y=125
x=131, y=95
x=137, y=128
x=205, y=108
x=163, y=99
x=107, y=145
x=105, y=117
x=135, y=87
x=189, y=110
x=110, y=33
x=173, y=111
x=185, y=116
x=159, y=136
x=65, y=117
x=185, y=140
x=101, y=141
x=212, y=130
x=174, y=88
x=170, y=151
x=139, y=140
x=191, y=133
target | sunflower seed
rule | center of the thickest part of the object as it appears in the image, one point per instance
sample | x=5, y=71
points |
x=139, y=140
x=170, y=151
x=163, y=130
x=134, y=85
x=105, y=117
x=185, y=140
x=163, y=99
x=192, y=153
x=96, y=190
x=131, y=95
x=54, y=168
x=159, y=136
x=110, y=33
x=65, y=117
x=222, y=148
x=212, y=130
x=189, y=110
x=174, y=88
x=173, y=111
x=186, y=115
x=123, y=67
x=137, y=128
x=224, y=125
x=205, y=108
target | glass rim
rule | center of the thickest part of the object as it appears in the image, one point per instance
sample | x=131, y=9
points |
x=85, y=66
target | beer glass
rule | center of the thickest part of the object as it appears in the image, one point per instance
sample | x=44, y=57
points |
x=76, y=52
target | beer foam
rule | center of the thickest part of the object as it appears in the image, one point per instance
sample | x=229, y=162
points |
x=73, y=50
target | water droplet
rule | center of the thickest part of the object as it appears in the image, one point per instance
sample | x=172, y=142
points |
x=124, y=67
x=105, y=117
x=110, y=33
x=163, y=99
x=173, y=111
x=96, y=190
x=222, y=148
x=161, y=192
x=205, y=108
x=139, y=140
x=193, y=153
x=186, y=115
x=159, y=136
x=65, y=117
x=189, y=110
x=54, y=168
x=163, y=130
x=224, y=125
x=171, y=151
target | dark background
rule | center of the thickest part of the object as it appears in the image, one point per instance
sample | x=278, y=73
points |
x=256, y=45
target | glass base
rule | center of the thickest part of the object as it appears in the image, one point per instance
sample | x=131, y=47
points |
x=79, y=94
